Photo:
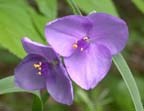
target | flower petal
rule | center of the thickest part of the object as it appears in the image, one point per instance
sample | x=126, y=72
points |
x=109, y=31
x=59, y=85
x=26, y=75
x=63, y=32
x=32, y=47
x=89, y=67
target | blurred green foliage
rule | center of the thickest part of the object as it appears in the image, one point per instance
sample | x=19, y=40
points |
x=105, y=6
x=139, y=4
x=18, y=20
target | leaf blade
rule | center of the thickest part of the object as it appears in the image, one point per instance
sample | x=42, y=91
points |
x=7, y=85
x=139, y=4
x=15, y=24
x=105, y=6
x=129, y=81
x=48, y=8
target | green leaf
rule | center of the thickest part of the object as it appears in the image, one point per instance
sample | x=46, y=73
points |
x=39, y=22
x=119, y=92
x=139, y=4
x=37, y=104
x=16, y=24
x=88, y=6
x=48, y=7
x=74, y=7
x=7, y=86
x=129, y=80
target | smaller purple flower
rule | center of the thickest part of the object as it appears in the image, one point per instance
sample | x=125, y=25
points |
x=87, y=44
x=42, y=68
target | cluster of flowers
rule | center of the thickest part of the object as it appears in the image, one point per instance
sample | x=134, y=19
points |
x=81, y=49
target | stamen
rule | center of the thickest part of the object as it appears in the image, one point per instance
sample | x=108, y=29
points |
x=81, y=49
x=38, y=67
x=75, y=45
x=39, y=73
x=40, y=63
x=85, y=38
x=82, y=44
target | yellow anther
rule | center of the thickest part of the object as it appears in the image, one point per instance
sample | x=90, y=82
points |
x=39, y=68
x=75, y=45
x=39, y=73
x=40, y=63
x=36, y=65
x=85, y=38
x=81, y=49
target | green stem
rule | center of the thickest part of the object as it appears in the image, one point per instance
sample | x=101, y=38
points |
x=37, y=105
x=45, y=97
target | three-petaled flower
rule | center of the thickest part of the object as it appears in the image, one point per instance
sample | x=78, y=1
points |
x=87, y=44
x=42, y=68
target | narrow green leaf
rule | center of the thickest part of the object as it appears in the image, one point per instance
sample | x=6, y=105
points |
x=39, y=22
x=74, y=7
x=48, y=7
x=7, y=85
x=139, y=4
x=88, y=6
x=129, y=80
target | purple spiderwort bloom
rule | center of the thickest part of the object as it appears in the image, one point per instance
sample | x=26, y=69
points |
x=87, y=44
x=41, y=68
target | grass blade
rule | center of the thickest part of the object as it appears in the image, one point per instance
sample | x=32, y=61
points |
x=129, y=80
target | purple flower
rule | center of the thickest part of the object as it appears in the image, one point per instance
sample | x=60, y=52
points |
x=42, y=68
x=87, y=44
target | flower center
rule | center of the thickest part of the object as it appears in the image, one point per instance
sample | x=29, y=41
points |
x=42, y=67
x=38, y=66
x=81, y=44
